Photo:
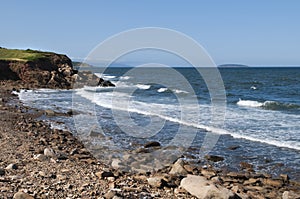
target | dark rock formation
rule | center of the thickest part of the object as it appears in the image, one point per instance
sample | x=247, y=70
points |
x=50, y=70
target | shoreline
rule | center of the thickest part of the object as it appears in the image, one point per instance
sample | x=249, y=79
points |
x=50, y=163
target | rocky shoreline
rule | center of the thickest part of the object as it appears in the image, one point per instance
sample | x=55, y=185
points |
x=39, y=162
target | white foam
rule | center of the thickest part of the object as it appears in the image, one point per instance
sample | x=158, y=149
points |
x=179, y=91
x=105, y=76
x=143, y=86
x=125, y=78
x=253, y=87
x=249, y=103
x=161, y=90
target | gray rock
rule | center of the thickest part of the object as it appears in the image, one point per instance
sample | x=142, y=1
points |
x=49, y=152
x=11, y=166
x=157, y=182
x=40, y=157
x=202, y=188
x=49, y=112
x=178, y=168
x=22, y=195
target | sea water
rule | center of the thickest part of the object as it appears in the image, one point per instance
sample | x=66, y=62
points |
x=262, y=113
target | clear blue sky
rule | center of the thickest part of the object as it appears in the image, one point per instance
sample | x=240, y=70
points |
x=256, y=32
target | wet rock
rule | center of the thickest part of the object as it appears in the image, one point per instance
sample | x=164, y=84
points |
x=214, y=158
x=246, y=165
x=152, y=144
x=201, y=188
x=2, y=172
x=11, y=166
x=178, y=168
x=50, y=112
x=233, y=147
x=22, y=195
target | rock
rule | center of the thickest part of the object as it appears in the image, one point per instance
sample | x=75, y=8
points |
x=106, y=174
x=152, y=144
x=11, y=166
x=22, y=195
x=40, y=157
x=273, y=182
x=2, y=172
x=208, y=173
x=234, y=147
x=201, y=188
x=246, y=165
x=178, y=168
x=49, y=152
x=214, y=158
x=290, y=195
x=50, y=112
x=285, y=177
x=251, y=181
x=110, y=194
x=157, y=182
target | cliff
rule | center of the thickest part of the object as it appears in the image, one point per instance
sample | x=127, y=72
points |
x=37, y=69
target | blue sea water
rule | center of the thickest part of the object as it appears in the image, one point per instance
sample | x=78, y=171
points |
x=262, y=113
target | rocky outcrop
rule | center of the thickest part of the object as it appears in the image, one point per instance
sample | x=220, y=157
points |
x=49, y=71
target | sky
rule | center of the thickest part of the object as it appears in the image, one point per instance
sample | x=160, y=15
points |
x=256, y=32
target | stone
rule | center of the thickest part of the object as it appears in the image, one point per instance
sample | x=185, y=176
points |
x=246, y=165
x=233, y=147
x=11, y=166
x=152, y=144
x=22, y=195
x=208, y=173
x=200, y=187
x=251, y=181
x=178, y=168
x=273, y=182
x=157, y=182
x=2, y=172
x=110, y=194
x=290, y=195
x=50, y=112
x=40, y=157
x=106, y=174
x=214, y=158
x=49, y=152
x=285, y=177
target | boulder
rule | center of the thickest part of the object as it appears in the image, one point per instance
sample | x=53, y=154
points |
x=22, y=195
x=201, y=188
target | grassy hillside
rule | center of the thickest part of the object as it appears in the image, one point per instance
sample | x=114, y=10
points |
x=22, y=55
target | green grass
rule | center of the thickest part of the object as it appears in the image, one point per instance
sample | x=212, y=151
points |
x=22, y=55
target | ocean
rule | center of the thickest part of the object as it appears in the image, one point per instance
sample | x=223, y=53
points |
x=261, y=125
